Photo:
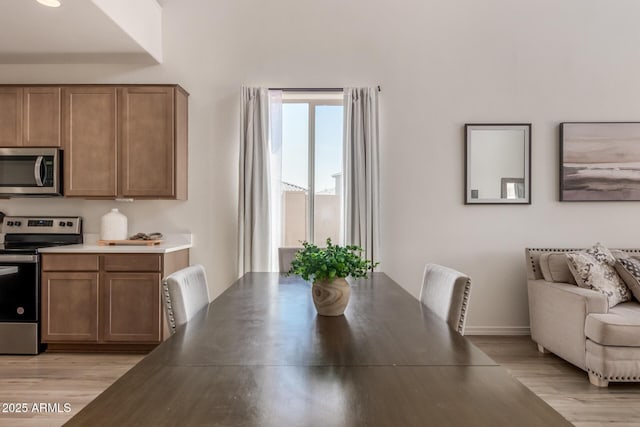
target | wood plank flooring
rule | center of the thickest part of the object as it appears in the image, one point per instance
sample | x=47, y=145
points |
x=562, y=385
x=78, y=378
x=55, y=378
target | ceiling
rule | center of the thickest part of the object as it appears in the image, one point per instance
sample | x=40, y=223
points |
x=79, y=31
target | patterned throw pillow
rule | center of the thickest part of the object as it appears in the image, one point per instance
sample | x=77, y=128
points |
x=593, y=269
x=629, y=270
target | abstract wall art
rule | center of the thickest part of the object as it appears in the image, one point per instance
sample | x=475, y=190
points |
x=600, y=161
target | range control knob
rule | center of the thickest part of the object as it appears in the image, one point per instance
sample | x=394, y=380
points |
x=61, y=224
x=10, y=223
x=18, y=223
x=69, y=224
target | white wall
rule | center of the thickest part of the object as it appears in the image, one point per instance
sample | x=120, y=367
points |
x=140, y=19
x=440, y=64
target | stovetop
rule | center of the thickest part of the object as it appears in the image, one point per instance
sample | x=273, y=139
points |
x=27, y=234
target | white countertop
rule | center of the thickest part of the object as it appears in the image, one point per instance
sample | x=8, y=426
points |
x=171, y=243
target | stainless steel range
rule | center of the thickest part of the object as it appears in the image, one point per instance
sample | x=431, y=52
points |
x=20, y=276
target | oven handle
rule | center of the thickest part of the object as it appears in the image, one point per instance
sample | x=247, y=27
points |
x=27, y=259
x=36, y=170
x=11, y=269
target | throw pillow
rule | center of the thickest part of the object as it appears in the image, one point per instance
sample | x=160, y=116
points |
x=593, y=269
x=555, y=268
x=629, y=270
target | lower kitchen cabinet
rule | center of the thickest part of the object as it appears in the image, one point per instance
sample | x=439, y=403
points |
x=131, y=307
x=70, y=307
x=105, y=302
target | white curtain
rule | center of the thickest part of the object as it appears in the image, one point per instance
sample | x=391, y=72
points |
x=254, y=224
x=361, y=169
x=275, y=144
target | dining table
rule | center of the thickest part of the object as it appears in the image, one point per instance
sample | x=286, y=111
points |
x=260, y=355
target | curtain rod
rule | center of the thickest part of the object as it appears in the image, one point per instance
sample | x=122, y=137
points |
x=312, y=89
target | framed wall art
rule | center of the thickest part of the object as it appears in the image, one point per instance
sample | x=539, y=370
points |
x=600, y=161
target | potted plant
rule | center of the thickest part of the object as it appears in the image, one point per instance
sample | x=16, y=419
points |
x=327, y=268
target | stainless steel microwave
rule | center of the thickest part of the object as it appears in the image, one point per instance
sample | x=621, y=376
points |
x=30, y=172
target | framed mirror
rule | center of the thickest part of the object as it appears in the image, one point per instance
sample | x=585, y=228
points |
x=498, y=163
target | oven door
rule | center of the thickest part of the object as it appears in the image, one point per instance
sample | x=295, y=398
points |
x=19, y=288
x=30, y=171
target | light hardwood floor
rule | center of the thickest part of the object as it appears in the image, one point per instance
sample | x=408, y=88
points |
x=74, y=379
x=78, y=378
x=563, y=386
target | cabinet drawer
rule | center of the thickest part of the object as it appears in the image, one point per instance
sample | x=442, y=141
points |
x=70, y=262
x=132, y=262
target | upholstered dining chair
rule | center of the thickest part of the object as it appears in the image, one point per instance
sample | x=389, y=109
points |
x=286, y=257
x=446, y=292
x=185, y=293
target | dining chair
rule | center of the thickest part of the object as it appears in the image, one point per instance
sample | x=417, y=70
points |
x=185, y=293
x=286, y=257
x=446, y=292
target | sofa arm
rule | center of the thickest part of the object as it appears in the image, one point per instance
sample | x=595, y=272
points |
x=557, y=312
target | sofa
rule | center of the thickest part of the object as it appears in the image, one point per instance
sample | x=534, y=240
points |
x=576, y=323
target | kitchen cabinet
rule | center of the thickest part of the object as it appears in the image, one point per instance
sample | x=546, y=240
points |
x=105, y=302
x=10, y=116
x=30, y=116
x=147, y=143
x=126, y=142
x=70, y=303
x=119, y=141
x=90, y=138
x=131, y=307
x=41, y=117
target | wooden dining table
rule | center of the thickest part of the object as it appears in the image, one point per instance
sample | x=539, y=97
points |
x=259, y=355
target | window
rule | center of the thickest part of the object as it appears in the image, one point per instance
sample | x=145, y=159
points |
x=310, y=163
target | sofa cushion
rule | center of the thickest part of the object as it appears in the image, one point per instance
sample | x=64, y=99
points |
x=593, y=269
x=619, y=327
x=629, y=270
x=555, y=268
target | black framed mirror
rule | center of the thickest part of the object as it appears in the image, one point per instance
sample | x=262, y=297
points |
x=497, y=163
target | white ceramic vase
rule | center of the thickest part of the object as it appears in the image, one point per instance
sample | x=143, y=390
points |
x=113, y=226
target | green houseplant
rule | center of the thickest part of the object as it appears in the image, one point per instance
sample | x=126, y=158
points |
x=327, y=268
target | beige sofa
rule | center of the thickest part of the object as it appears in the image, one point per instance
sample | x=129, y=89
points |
x=576, y=323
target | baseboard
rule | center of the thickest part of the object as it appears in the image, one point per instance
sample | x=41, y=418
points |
x=497, y=330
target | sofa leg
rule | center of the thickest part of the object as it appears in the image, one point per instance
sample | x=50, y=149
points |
x=543, y=350
x=599, y=382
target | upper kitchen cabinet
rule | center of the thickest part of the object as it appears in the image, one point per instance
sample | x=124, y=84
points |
x=30, y=116
x=90, y=141
x=41, y=117
x=153, y=142
x=126, y=142
x=10, y=116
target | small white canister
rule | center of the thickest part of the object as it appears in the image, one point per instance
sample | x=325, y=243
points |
x=113, y=226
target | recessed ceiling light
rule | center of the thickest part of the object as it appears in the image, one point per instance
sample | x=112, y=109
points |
x=50, y=3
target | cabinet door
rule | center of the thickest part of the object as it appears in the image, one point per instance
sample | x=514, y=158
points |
x=147, y=142
x=41, y=117
x=130, y=307
x=90, y=141
x=69, y=307
x=10, y=116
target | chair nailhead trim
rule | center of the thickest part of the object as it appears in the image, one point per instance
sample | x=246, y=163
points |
x=171, y=318
x=465, y=303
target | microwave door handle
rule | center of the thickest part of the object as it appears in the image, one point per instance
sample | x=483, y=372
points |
x=36, y=171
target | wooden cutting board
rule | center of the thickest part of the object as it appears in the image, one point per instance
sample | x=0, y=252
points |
x=130, y=242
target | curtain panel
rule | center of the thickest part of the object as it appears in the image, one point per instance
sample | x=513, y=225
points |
x=361, y=169
x=254, y=214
